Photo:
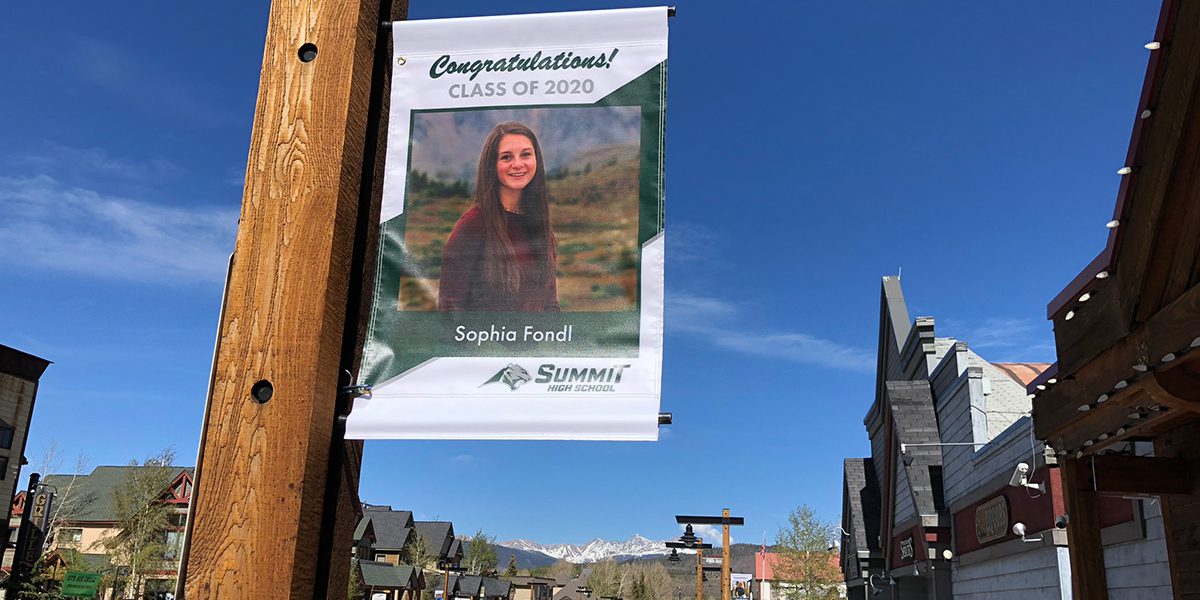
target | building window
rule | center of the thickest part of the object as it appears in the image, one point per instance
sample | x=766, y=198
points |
x=173, y=544
x=3, y=467
x=70, y=536
x=6, y=435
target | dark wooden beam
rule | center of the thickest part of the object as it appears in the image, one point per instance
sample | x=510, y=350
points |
x=1088, y=578
x=1121, y=474
x=1169, y=333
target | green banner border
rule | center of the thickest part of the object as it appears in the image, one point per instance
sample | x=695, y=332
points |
x=383, y=355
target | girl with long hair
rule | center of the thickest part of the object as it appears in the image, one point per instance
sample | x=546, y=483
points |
x=501, y=255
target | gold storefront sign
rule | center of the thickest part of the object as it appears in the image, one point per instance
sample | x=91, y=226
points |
x=991, y=520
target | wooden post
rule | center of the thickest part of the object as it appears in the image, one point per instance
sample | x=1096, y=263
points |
x=725, y=583
x=699, y=569
x=1083, y=532
x=267, y=502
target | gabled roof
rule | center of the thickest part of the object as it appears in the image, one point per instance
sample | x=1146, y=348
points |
x=414, y=576
x=916, y=423
x=392, y=527
x=495, y=588
x=21, y=365
x=386, y=575
x=364, y=529
x=92, y=497
x=438, y=536
x=861, y=490
x=470, y=584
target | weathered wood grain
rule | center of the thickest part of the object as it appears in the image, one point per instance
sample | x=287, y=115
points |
x=259, y=503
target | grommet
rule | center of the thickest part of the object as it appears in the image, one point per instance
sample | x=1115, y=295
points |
x=262, y=391
x=307, y=52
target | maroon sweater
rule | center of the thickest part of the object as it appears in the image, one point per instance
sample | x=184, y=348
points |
x=463, y=286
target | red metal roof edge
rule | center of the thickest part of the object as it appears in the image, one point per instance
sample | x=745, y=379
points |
x=1150, y=86
x=1050, y=373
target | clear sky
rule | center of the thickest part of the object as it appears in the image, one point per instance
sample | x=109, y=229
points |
x=812, y=147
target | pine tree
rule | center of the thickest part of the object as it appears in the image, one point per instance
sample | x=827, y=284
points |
x=511, y=571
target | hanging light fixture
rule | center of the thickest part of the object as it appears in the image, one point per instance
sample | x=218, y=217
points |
x=689, y=536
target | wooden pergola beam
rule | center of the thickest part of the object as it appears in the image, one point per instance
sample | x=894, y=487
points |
x=1088, y=579
x=1121, y=474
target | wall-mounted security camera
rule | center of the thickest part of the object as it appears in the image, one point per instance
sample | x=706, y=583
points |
x=1020, y=478
x=1060, y=522
x=1019, y=529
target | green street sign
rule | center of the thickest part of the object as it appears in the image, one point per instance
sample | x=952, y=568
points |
x=80, y=585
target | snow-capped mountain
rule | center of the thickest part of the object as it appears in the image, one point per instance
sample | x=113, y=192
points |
x=595, y=550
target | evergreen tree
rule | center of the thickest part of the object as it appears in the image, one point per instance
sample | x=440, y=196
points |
x=354, y=590
x=511, y=571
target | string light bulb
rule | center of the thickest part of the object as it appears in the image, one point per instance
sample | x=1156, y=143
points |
x=1153, y=46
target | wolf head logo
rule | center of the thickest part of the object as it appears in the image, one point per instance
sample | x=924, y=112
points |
x=514, y=376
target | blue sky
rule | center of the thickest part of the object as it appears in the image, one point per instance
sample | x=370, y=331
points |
x=812, y=147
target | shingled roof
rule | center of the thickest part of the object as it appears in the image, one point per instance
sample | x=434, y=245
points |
x=92, y=497
x=381, y=575
x=438, y=536
x=916, y=423
x=392, y=527
x=862, y=496
x=495, y=588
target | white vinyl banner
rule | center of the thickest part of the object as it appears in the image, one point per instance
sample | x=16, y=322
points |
x=519, y=283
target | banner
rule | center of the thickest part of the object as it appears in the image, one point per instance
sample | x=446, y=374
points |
x=740, y=585
x=519, y=282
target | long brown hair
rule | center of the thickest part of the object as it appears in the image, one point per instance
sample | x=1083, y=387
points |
x=499, y=261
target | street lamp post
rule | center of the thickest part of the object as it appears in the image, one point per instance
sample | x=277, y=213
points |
x=724, y=521
x=689, y=540
x=447, y=567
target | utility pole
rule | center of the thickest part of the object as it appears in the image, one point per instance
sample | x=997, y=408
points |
x=276, y=483
x=22, y=565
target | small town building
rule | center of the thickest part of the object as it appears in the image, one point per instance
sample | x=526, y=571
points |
x=770, y=582
x=393, y=530
x=84, y=514
x=387, y=581
x=959, y=500
x=532, y=588
x=20, y=373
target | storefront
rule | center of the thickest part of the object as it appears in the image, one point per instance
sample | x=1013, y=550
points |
x=967, y=504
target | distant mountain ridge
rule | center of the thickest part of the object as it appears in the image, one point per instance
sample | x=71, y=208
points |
x=593, y=551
